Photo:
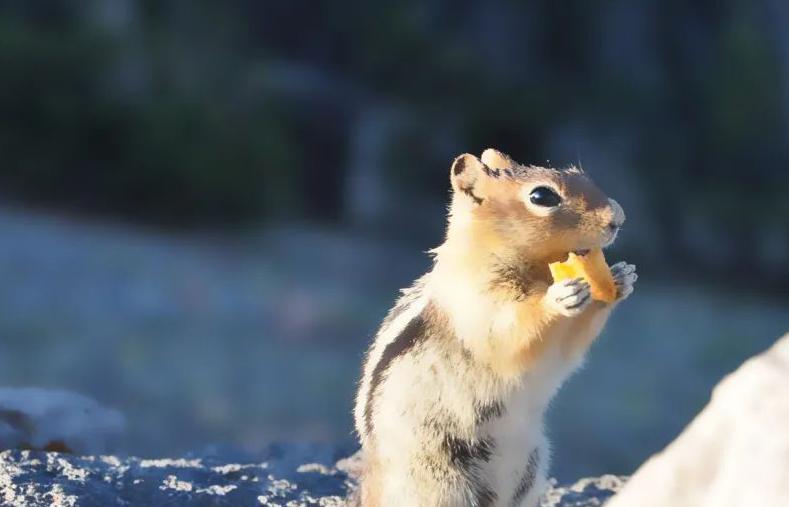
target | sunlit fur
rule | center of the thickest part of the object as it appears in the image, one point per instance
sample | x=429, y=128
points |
x=492, y=352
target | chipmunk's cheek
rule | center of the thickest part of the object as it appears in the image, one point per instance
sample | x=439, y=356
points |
x=609, y=240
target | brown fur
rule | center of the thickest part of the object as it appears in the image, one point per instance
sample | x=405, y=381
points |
x=443, y=381
x=504, y=229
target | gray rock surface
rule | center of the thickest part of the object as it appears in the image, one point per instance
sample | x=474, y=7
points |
x=284, y=475
x=735, y=453
x=589, y=492
x=57, y=420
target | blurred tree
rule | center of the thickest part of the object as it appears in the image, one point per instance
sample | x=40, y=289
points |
x=181, y=150
x=191, y=113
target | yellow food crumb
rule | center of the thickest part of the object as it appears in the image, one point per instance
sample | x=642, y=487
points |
x=593, y=268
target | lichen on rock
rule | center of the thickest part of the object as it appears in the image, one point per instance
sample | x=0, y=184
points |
x=293, y=476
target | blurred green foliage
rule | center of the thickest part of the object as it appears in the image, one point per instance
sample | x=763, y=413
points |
x=191, y=113
x=71, y=135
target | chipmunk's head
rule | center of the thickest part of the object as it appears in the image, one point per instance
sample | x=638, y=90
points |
x=542, y=212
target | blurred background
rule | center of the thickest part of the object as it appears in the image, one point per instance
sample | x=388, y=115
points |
x=207, y=208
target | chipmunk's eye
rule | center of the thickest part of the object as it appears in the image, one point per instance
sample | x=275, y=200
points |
x=544, y=196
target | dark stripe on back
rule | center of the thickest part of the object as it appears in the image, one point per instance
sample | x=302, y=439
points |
x=527, y=481
x=405, y=341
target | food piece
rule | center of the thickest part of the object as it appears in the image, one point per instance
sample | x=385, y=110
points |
x=593, y=268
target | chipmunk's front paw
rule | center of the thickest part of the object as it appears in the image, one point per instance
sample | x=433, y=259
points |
x=624, y=277
x=569, y=297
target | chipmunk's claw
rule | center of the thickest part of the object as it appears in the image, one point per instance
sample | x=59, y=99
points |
x=625, y=277
x=569, y=297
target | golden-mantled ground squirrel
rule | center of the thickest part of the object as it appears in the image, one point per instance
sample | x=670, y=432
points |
x=454, y=387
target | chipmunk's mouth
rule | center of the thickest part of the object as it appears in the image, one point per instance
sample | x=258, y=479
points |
x=582, y=252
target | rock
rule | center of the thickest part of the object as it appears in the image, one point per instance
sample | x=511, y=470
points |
x=48, y=419
x=736, y=451
x=589, y=492
x=31, y=478
x=292, y=475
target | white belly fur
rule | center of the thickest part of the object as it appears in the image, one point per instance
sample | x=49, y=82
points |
x=520, y=430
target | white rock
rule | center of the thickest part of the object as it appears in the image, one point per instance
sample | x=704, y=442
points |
x=736, y=451
x=57, y=420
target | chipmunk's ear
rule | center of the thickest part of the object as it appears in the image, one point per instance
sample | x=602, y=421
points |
x=497, y=160
x=467, y=176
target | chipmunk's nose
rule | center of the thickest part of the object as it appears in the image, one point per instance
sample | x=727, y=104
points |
x=617, y=215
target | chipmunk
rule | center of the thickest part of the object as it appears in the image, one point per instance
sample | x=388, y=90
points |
x=450, y=405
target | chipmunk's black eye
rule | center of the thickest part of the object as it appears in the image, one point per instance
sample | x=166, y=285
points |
x=544, y=196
